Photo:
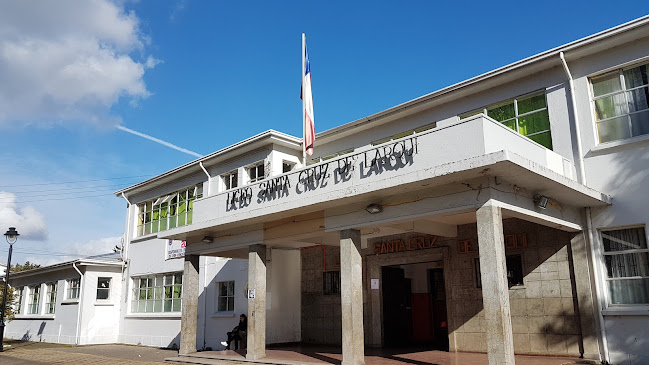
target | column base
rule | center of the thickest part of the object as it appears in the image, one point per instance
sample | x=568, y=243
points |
x=255, y=357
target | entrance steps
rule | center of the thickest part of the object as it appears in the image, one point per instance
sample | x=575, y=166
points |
x=231, y=358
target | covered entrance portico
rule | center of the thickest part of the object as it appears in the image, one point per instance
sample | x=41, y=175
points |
x=379, y=207
x=359, y=237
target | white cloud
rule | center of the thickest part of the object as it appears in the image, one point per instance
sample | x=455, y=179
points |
x=94, y=247
x=28, y=222
x=68, y=60
x=78, y=250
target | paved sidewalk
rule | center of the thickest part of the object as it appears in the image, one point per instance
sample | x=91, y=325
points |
x=36, y=353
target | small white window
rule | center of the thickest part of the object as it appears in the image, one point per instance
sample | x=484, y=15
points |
x=230, y=180
x=225, y=296
x=50, y=304
x=287, y=166
x=19, y=300
x=73, y=289
x=34, y=300
x=103, y=288
x=256, y=172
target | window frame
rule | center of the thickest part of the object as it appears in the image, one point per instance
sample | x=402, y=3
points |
x=107, y=289
x=167, y=211
x=604, y=269
x=34, y=308
x=51, y=290
x=230, y=180
x=619, y=70
x=18, y=305
x=233, y=296
x=71, y=288
x=255, y=167
x=331, y=284
x=158, y=293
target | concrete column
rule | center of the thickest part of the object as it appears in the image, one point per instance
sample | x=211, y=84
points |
x=495, y=291
x=580, y=270
x=257, y=306
x=351, y=287
x=189, y=320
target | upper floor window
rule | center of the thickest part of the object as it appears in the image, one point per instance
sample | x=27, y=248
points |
x=73, y=289
x=527, y=115
x=157, y=293
x=230, y=180
x=287, y=166
x=627, y=265
x=50, y=304
x=256, y=172
x=168, y=211
x=103, y=288
x=621, y=103
x=34, y=300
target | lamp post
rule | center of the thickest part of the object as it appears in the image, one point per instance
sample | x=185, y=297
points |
x=12, y=237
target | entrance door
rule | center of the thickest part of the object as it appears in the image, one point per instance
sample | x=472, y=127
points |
x=438, y=293
x=397, y=308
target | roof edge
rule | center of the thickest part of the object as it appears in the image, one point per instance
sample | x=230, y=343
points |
x=271, y=133
x=553, y=52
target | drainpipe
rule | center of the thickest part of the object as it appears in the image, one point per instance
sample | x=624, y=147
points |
x=209, y=178
x=589, y=221
x=127, y=234
x=79, y=311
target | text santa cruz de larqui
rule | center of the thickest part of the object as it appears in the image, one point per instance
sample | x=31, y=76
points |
x=392, y=156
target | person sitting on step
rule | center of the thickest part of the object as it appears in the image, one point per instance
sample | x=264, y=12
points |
x=238, y=333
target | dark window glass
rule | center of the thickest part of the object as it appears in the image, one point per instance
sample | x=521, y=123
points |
x=331, y=282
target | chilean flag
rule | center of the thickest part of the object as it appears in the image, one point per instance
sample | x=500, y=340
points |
x=307, y=102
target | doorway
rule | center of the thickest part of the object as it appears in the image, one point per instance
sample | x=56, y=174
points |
x=414, y=306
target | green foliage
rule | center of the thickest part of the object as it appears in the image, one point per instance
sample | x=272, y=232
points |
x=11, y=298
x=24, y=267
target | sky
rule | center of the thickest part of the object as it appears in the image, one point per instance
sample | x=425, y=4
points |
x=83, y=83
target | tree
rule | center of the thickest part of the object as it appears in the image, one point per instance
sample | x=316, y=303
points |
x=24, y=267
x=11, y=299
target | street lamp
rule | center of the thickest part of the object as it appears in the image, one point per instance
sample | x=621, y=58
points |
x=12, y=237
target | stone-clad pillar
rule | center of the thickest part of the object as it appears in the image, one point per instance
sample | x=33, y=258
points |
x=495, y=291
x=257, y=306
x=351, y=287
x=189, y=319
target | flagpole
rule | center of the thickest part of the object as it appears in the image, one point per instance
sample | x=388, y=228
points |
x=303, y=124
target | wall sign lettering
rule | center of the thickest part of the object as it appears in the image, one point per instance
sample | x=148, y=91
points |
x=399, y=245
x=512, y=241
x=391, y=156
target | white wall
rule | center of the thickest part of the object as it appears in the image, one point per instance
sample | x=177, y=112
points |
x=621, y=170
x=212, y=324
x=147, y=257
x=100, y=318
x=284, y=300
x=99, y=323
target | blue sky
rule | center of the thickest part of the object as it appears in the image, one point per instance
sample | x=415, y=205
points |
x=206, y=74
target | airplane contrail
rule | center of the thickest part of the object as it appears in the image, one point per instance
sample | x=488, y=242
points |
x=156, y=140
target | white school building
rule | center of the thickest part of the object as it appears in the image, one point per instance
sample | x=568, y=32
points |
x=503, y=214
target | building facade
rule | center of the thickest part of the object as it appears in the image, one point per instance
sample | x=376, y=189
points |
x=504, y=214
x=76, y=302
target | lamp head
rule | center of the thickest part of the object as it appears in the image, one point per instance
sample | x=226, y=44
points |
x=12, y=235
x=374, y=208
